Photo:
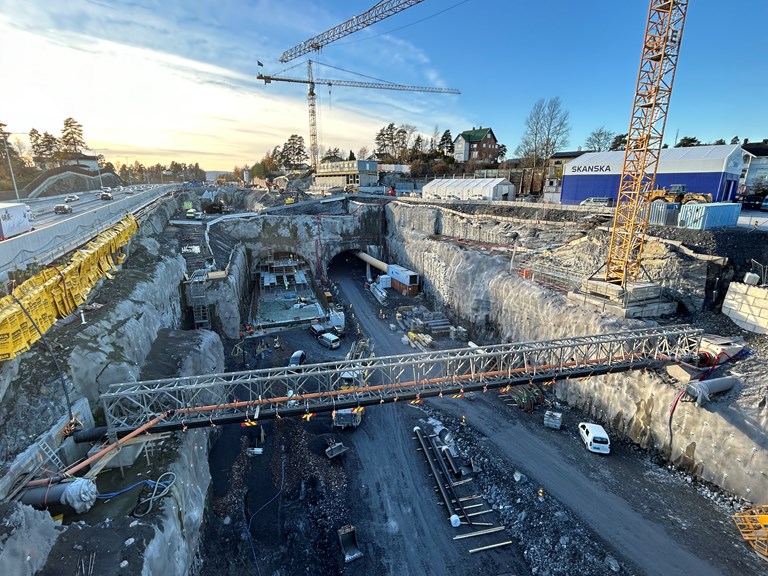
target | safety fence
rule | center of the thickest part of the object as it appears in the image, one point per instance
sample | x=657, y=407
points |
x=56, y=292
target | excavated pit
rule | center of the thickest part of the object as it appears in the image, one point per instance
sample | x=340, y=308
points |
x=468, y=263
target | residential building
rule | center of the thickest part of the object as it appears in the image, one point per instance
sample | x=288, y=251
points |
x=477, y=144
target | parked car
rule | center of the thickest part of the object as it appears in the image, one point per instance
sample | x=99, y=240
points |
x=317, y=330
x=752, y=202
x=597, y=201
x=764, y=205
x=595, y=438
x=329, y=340
x=72, y=198
x=62, y=209
x=297, y=358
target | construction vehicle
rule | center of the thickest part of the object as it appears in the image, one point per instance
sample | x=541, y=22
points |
x=348, y=417
x=678, y=193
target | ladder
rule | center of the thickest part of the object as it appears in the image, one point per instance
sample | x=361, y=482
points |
x=197, y=291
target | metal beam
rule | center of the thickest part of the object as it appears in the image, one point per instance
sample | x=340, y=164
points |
x=354, y=84
x=379, y=12
x=195, y=401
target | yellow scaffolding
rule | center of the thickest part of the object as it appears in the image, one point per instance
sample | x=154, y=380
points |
x=753, y=525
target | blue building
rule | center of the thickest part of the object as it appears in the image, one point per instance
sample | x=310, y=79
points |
x=704, y=169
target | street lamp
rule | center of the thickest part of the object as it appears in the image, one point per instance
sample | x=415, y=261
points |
x=10, y=165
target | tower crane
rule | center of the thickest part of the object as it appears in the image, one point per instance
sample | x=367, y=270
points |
x=658, y=63
x=312, y=99
x=380, y=11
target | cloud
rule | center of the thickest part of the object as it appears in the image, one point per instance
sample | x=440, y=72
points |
x=151, y=83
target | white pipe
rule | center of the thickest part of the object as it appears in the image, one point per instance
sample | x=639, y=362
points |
x=372, y=261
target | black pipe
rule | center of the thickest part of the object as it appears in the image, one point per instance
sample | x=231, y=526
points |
x=447, y=477
x=425, y=447
x=90, y=435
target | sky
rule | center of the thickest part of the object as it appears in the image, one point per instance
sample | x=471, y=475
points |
x=156, y=81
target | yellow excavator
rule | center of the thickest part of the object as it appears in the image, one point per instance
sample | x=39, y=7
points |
x=678, y=193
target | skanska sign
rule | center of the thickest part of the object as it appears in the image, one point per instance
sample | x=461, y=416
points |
x=596, y=168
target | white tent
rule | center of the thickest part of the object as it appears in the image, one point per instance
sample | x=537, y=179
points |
x=470, y=189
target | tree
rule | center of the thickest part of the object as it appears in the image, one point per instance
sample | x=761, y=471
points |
x=687, y=142
x=34, y=142
x=49, y=146
x=331, y=155
x=718, y=142
x=735, y=140
x=446, y=143
x=351, y=156
x=363, y=153
x=546, y=131
x=619, y=142
x=294, y=151
x=501, y=153
x=599, y=140
x=72, y=138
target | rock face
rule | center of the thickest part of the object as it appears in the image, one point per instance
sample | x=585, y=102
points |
x=722, y=443
x=229, y=296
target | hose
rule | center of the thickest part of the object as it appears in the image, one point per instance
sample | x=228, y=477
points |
x=156, y=485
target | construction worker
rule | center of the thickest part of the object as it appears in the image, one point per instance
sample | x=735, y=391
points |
x=463, y=420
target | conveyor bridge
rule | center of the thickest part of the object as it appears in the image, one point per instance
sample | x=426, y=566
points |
x=244, y=397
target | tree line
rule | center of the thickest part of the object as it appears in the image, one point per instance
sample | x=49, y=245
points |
x=70, y=145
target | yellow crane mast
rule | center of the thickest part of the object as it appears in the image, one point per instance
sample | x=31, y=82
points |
x=663, y=33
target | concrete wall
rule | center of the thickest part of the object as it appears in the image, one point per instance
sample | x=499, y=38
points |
x=724, y=443
x=747, y=306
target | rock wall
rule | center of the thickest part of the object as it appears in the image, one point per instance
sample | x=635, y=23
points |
x=316, y=238
x=722, y=443
x=747, y=306
x=229, y=296
x=177, y=535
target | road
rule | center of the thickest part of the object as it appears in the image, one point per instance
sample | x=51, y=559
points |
x=647, y=514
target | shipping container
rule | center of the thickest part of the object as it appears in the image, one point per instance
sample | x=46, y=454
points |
x=663, y=213
x=404, y=289
x=15, y=219
x=385, y=281
x=402, y=275
x=709, y=216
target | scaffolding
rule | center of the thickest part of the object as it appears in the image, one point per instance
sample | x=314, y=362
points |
x=235, y=397
x=198, y=283
x=753, y=525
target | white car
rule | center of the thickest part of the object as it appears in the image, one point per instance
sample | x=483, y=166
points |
x=72, y=198
x=595, y=438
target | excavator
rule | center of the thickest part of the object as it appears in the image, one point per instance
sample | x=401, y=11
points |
x=678, y=193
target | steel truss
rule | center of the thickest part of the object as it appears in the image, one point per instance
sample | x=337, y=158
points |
x=196, y=401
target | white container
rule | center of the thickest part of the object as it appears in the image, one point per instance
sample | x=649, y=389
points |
x=385, y=281
x=709, y=216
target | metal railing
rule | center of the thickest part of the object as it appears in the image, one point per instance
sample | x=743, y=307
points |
x=244, y=396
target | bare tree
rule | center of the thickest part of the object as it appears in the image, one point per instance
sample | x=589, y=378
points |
x=362, y=154
x=599, y=140
x=546, y=130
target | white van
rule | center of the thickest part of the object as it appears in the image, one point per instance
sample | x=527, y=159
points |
x=597, y=201
x=329, y=341
x=595, y=438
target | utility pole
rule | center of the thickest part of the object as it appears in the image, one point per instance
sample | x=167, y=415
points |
x=13, y=178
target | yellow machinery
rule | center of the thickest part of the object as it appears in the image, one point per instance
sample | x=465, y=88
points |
x=753, y=525
x=658, y=63
x=677, y=193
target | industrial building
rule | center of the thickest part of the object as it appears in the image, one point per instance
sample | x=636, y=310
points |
x=469, y=189
x=705, y=169
x=348, y=173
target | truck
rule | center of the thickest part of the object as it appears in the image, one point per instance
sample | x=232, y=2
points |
x=678, y=193
x=15, y=218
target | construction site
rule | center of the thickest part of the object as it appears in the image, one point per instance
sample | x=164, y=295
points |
x=365, y=384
